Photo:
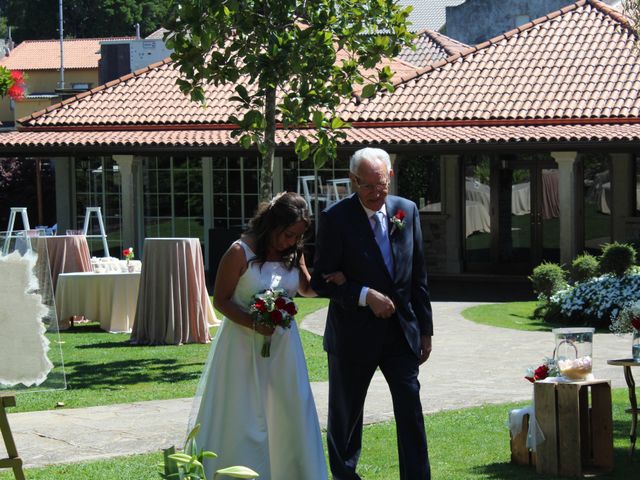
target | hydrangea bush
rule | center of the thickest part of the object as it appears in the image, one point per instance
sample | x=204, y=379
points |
x=596, y=301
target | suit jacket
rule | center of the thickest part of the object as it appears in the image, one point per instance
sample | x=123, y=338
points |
x=346, y=242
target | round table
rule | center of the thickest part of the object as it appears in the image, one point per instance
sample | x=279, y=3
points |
x=627, y=363
x=173, y=302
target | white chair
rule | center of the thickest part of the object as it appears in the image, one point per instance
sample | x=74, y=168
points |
x=307, y=188
x=337, y=189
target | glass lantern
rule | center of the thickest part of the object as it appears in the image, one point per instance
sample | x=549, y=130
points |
x=573, y=352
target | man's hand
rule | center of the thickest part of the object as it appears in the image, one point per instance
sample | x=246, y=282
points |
x=425, y=348
x=381, y=305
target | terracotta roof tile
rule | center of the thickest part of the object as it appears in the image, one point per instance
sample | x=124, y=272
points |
x=151, y=96
x=570, y=56
x=207, y=138
x=81, y=53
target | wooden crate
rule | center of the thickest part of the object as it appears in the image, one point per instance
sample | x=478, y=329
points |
x=576, y=421
x=520, y=453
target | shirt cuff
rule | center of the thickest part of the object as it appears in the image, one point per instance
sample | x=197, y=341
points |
x=362, y=300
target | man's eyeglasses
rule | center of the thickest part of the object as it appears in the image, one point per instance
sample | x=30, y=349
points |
x=382, y=186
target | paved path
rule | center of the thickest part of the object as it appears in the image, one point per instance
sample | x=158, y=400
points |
x=471, y=365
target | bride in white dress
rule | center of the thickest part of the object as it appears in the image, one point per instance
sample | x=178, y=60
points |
x=255, y=411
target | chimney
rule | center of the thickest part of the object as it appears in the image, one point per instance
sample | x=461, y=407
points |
x=10, y=43
x=137, y=25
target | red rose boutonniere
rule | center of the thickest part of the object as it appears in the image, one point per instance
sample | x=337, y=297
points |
x=398, y=221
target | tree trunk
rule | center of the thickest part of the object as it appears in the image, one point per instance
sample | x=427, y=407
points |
x=266, y=177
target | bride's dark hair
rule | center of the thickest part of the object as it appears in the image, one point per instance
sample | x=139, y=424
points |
x=284, y=210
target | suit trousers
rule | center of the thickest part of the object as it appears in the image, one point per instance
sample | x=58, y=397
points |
x=349, y=379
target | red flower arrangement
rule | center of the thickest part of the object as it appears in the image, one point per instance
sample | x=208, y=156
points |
x=272, y=308
x=12, y=83
x=548, y=368
x=128, y=253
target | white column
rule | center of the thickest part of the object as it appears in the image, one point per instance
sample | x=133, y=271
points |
x=567, y=193
x=622, y=193
x=127, y=183
x=393, y=187
x=451, y=208
x=65, y=193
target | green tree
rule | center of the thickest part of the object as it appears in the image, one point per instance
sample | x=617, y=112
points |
x=38, y=19
x=291, y=61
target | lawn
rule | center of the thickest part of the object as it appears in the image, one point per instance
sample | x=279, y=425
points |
x=103, y=368
x=464, y=444
x=514, y=315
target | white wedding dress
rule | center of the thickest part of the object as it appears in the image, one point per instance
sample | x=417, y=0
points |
x=255, y=411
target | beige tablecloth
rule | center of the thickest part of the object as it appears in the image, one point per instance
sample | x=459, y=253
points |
x=173, y=302
x=66, y=254
x=107, y=298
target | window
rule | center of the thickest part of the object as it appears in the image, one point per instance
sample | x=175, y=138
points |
x=97, y=184
x=418, y=179
x=236, y=183
x=173, y=197
x=636, y=186
x=597, y=189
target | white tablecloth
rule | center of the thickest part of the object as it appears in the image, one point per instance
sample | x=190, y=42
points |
x=107, y=298
x=477, y=218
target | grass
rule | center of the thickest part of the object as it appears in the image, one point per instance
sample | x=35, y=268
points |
x=514, y=315
x=465, y=444
x=103, y=369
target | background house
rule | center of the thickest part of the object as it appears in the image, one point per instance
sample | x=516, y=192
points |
x=88, y=62
x=429, y=14
x=474, y=21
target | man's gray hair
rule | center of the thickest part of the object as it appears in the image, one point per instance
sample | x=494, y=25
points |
x=369, y=154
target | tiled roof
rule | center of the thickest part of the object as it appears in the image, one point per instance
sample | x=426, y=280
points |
x=81, y=53
x=566, y=73
x=570, y=135
x=429, y=14
x=581, y=61
x=430, y=47
x=150, y=96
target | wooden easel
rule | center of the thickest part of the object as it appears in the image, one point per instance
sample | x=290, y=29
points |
x=13, y=461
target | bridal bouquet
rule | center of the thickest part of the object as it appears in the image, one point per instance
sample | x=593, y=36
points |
x=272, y=308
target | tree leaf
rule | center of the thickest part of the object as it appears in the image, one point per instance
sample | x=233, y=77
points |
x=368, y=91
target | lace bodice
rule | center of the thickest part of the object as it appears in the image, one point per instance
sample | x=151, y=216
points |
x=260, y=277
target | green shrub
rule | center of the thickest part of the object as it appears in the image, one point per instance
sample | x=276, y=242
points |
x=584, y=267
x=547, y=278
x=617, y=258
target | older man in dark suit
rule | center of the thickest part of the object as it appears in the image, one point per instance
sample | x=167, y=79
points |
x=381, y=317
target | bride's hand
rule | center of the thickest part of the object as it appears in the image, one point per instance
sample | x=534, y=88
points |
x=264, y=330
x=335, y=277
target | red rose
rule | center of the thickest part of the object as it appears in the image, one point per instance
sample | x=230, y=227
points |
x=530, y=379
x=276, y=317
x=541, y=372
x=635, y=322
x=280, y=303
x=400, y=215
x=290, y=308
x=260, y=305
